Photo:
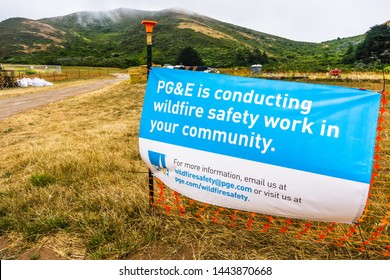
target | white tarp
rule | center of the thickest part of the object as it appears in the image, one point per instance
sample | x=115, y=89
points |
x=36, y=82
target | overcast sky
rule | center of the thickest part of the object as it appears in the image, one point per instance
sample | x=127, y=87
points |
x=300, y=20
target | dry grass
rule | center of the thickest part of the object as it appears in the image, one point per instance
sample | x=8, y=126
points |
x=73, y=186
x=199, y=27
x=365, y=80
x=67, y=168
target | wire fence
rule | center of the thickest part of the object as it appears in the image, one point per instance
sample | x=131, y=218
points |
x=67, y=75
x=9, y=78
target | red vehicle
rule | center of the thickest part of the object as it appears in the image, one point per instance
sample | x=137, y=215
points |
x=335, y=73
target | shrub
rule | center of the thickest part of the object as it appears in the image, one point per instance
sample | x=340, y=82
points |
x=41, y=180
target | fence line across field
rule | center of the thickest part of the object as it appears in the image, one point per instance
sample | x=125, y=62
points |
x=9, y=78
x=67, y=75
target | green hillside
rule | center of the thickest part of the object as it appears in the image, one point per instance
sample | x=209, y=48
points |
x=117, y=38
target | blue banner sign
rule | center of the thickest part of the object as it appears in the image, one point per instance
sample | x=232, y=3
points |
x=282, y=148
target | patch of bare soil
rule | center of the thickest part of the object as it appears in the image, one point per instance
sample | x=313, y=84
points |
x=57, y=247
x=205, y=30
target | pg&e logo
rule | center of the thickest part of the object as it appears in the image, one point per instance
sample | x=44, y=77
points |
x=158, y=161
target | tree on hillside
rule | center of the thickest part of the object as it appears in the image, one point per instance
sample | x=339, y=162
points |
x=376, y=45
x=349, y=55
x=247, y=57
x=190, y=57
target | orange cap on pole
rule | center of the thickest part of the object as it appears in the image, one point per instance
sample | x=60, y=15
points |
x=149, y=25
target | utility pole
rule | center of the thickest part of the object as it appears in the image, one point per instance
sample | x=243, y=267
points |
x=149, y=30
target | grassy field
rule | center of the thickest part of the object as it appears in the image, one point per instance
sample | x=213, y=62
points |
x=73, y=186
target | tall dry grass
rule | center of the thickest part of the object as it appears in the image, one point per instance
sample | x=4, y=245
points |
x=71, y=168
x=73, y=186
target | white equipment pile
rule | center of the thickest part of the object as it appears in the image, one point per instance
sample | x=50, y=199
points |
x=36, y=82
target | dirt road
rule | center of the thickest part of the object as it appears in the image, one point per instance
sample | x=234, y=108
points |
x=19, y=104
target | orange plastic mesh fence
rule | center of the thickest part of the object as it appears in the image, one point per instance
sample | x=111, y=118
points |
x=370, y=235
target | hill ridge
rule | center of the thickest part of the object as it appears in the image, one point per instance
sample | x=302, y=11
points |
x=117, y=38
